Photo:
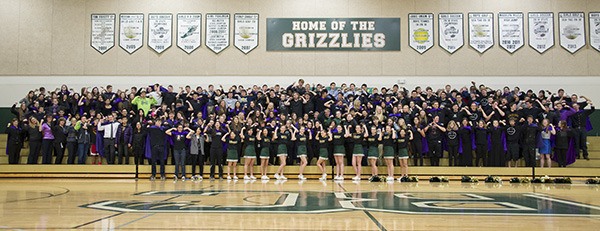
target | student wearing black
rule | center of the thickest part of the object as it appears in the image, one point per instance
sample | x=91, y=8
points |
x=60, y=140
x=513, y=136
x=435, y=132
x=124, y=139
x=530, y=132
x=213, y=130
x=13, y=141
x=138, y=143
x=481, y=142
x=563, y=135
x=465, y=132
x=452, y=140
x=157, y=138
x=579, y=123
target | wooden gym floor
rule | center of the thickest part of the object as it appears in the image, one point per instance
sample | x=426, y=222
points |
x=122, y=204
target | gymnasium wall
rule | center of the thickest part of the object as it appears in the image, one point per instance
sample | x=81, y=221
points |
x=47, y=43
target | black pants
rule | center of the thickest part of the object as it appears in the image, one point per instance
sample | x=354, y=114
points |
x=561, y=155
x=138, y=154
x=14, y=152
x=513, y=151
x=158, y=154
x=34, y=151
x=197, y=160
x=529, y=156
x=59, y=151
x=47, y=151
x=435, y=152
x=109, y=150
x=72, y=150
x=453, y=155
x=481, y=155
x=216, y=159
x=417, y=153
x=581, y=142
x=123, y=151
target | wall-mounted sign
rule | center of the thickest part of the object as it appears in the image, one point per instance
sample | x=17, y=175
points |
x=572, y=31
x=131, y=32
x=102, y=37
x=217, y=32
x=451, y=33
x=541, y=31
x=333, y=34
x=420, y=32
x=481, y=31
x=245, y=32
x=188, y=32
x=160, y=27
x=510, y=31
x=595, y=30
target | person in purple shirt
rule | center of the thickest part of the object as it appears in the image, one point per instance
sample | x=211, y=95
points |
x=47, y=139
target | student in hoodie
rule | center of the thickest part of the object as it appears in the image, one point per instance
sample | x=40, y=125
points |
x=138, y=143
x=513, y=136
x=452, y=140
x=529, y=141
x=481, y=142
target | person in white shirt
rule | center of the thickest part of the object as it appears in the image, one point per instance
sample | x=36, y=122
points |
x=110, y=128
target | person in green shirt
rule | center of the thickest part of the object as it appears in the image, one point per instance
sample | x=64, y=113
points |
x=143, y=102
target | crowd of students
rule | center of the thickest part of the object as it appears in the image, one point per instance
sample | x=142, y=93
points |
x=347, y=124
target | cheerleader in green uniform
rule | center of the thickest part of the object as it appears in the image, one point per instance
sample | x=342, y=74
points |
x=233, y=145
x=373, y=140
x=301, y=136
x=324, y=137
x=388, y=140
x=404, y=136
x=358, y=137
x=339, y=135
x=265, y=143
x=282, y=137
x=249, y=138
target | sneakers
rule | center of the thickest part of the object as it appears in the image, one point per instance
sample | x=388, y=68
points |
x=301, y=177
x=175, y=177
x=252, y=177
x=182, y=178
x=198, y=177
x=281, y=177
x=152, y=178
x=338, y=178
x=228, y=177
x=356, y=178
x=265, y=177
x=163, y=178
x=235, y=178
x=276, y=176
x=390, y=179
x=246, y=178
x=323, y=177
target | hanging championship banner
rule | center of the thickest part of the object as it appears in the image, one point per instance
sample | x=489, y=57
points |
x=102, y=37
x=160, y=27
x=333, y=34
x=188, y=32
x=245, y=32
x=510, y=31
x=595, y=30
x=541, y=31
x=451, y=32
x=572, y=31
x=481, y=31
x=420, y=29
x=131, y=32
x=217, y=32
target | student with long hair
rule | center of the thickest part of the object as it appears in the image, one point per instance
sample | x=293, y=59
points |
x=233, y=144
x=452, y=140
x=389, y=137
x=324, y=137
x=282, y=136
x=373, y=141
x=358, y=137
x=213, y=129
x=404, y=137
x=301, y=136
x=339, y=135
x=249, y=137
x=265, y=144
x=545, y=148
